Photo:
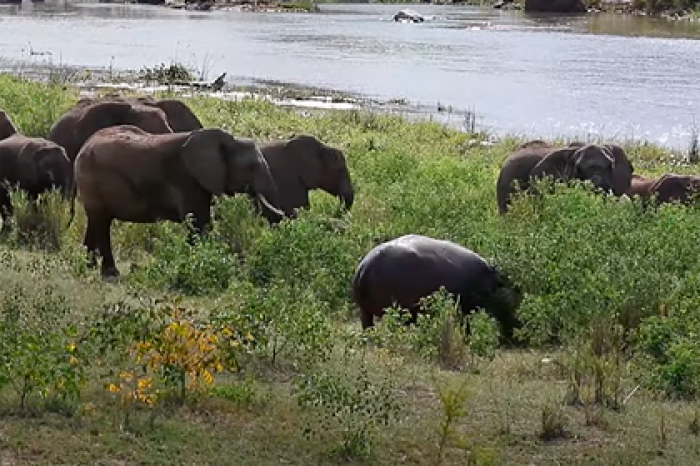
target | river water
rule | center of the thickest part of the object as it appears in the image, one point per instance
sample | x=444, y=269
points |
x=539, y=75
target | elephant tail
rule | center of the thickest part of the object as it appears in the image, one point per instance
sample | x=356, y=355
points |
x=73, y=193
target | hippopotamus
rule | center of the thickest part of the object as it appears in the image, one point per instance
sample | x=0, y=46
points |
x=404, y=270
x=407, y=15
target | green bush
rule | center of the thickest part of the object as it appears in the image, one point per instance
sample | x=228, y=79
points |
x=197, y=269
x=351, y=401
x=33, y=107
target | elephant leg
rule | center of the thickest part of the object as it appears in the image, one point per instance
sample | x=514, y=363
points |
x=90, y=243
x=98, y=239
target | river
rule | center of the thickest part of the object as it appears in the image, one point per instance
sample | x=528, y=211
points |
x=540, y=75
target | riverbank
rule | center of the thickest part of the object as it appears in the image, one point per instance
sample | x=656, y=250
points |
x=259, y=325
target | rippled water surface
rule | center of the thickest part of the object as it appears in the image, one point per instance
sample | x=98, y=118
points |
x=540, y=75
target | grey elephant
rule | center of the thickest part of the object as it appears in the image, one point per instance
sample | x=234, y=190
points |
x=606, y=166
x=34, y=165
x=180, y=117
x=303, y=163
x=87, y=116
x=7, y=127
x=406, y=269
x=669, y=187
x=128, y=174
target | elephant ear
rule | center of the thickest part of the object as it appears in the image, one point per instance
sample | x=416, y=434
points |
x=203, y=154
x=101, y=115
x=622, y=174
x=308, y=154
x=180, y=116
x=558, y=164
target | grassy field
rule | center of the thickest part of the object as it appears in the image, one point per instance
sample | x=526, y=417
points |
x=245, y=348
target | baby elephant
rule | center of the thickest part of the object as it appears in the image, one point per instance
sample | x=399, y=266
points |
x=670, y=187
x=606, y=166
x=35, y=165
x=408, y=268
x=303, y=163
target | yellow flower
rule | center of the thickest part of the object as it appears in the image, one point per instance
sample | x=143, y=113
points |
x=70, y=348
x=73, y=360
x=144, y=384
x=226, y=332
x=126, y=376
x=113, y=388
x=249, y=337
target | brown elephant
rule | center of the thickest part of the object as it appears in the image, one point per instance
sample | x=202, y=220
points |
x=406, y=269
x=34, y=165
x=88, y=116
x=668, y=188
x=303, y=163
x=180, y=117
x=128, y=174
x=7, y=128
x=606, y=166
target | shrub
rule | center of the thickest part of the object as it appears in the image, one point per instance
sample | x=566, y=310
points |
x=39, y=354
x=39, y=224
x=351, y=401
x=283, y=321
x=192, y=269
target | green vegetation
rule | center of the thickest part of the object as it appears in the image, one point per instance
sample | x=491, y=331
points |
x=245, y=348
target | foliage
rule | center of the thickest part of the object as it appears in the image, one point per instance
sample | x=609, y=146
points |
x=39, y=350
x=194, y=269
x=39, y=224
x=351, y=400
x=441, y=333
x=276, y=302
x=167, y=74
x=33, y=107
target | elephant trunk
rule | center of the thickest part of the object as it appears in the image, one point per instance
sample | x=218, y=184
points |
x=346, y=194
x=265, y=191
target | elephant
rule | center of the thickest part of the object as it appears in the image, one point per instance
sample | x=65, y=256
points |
x=668, y=188
x=179, y=116
x=88, y=116
x=404, y=270
x=303, y=163
x=34, y=165
x=125, y=173
x=7, y=128
x=607, y=166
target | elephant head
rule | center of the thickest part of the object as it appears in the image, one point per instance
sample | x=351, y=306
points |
x=44, y=165
x=622, y=177
x=323, y=167
x=222, y=164
x=111, y=113
x=7, y=128
x=589, y=162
